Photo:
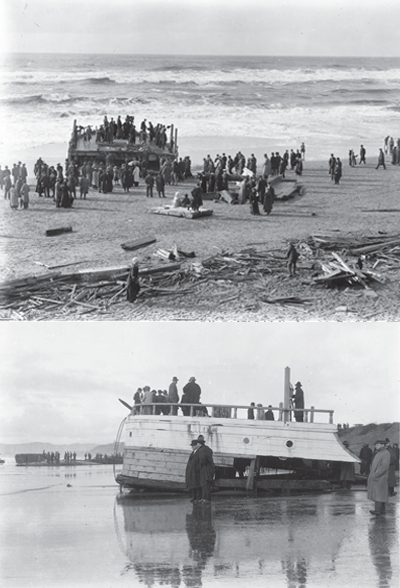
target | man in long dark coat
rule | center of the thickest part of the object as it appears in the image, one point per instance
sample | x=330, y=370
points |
x=206, y=469
x=378, y=479
x=191, y=395
x=192, y=473
x=298, y=399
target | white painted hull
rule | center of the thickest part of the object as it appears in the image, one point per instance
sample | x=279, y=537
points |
x=157, y=447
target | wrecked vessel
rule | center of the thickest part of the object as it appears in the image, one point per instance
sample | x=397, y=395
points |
x=157, y=447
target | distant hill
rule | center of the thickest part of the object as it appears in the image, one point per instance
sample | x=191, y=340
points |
x=38, y=446
x=357, y=436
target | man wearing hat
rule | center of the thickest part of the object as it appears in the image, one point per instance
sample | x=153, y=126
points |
x=191, y=395
x=378, y=478
x=298, y=400
x=192, y=473
x=173, y=396
x=206, y=469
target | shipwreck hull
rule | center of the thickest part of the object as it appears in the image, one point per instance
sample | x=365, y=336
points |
x=157, y=448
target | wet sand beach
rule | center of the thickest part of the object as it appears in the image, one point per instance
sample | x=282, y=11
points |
x=71, y=527
x=104, y=221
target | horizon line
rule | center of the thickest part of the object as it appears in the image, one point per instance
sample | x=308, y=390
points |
x=5, y=53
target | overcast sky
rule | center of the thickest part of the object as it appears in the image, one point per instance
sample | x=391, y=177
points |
x=61, y=382
x=232, y=27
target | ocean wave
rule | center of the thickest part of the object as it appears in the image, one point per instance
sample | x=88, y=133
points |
x=103, y=80
x=41, y=99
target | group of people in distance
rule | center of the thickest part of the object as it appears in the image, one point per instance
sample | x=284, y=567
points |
x=15, y=185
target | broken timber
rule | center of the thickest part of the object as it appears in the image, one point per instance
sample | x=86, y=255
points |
x=138, y=243
x=58, y=231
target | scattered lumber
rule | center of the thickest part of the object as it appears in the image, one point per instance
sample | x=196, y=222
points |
x=181, y=212
x=138, y=243
x=58, y=231
x=284, y=300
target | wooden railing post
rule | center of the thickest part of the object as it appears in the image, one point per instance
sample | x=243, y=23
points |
x=191, y=411
x=306, y=416
x=331, y=417
x=312, y=414
x=235, y=413
x=280, y=411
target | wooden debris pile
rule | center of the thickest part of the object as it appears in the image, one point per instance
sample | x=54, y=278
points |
x=246, y=265
x=87, y=291
x=372, y=251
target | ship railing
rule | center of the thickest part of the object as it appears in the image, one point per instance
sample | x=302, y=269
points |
x=233, y=411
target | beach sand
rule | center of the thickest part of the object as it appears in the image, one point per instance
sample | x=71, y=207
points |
x=104, y=221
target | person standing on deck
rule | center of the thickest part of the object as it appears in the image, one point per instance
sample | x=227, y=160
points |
x=303, y=151
x=250, y=412
x=137, y=399
x=192, y=473
x=298, y=399
x=206, y=469
x=173, y=396
x=362, y=155
x=269, y=415
x=378, y=479
x=191, y=395
x=148, y=398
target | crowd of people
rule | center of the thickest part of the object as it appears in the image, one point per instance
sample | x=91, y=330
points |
x=166, y=402
x=14, y=181
x=115, y=130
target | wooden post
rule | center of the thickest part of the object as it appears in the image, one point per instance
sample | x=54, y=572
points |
x=213, y=411
x=280, y=411
x=331, y=417
x=176, y=142
x=250, y=477
x=191, y=411
x=286, y=396
x=235, y=413
x=306, y=416
x=312, y=414
x=171, y=136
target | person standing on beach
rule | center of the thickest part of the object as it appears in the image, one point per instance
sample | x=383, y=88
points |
x=362, y=155
x=332, y=165
x=378, y=479
x=338, y=170
x=381, y=159
x=149, y=181
x=206, y=469
x=269, y=199
x=24, y=195
x=303, y=151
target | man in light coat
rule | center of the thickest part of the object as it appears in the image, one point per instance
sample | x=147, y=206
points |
x=173, y=396
x=378, y=478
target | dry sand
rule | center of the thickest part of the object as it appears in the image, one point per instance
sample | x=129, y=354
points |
x=104, y=221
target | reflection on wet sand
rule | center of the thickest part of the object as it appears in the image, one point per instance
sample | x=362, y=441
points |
x=292, y=541
x=380, y=541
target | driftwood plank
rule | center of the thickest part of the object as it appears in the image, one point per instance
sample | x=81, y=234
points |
x=58, y=231
x=138, y=243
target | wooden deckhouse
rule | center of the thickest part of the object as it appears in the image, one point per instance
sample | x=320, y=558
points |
x=157, y=447
x=81, y=149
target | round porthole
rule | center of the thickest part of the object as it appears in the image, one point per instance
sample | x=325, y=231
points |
x=289, y=443
x=245, y=440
